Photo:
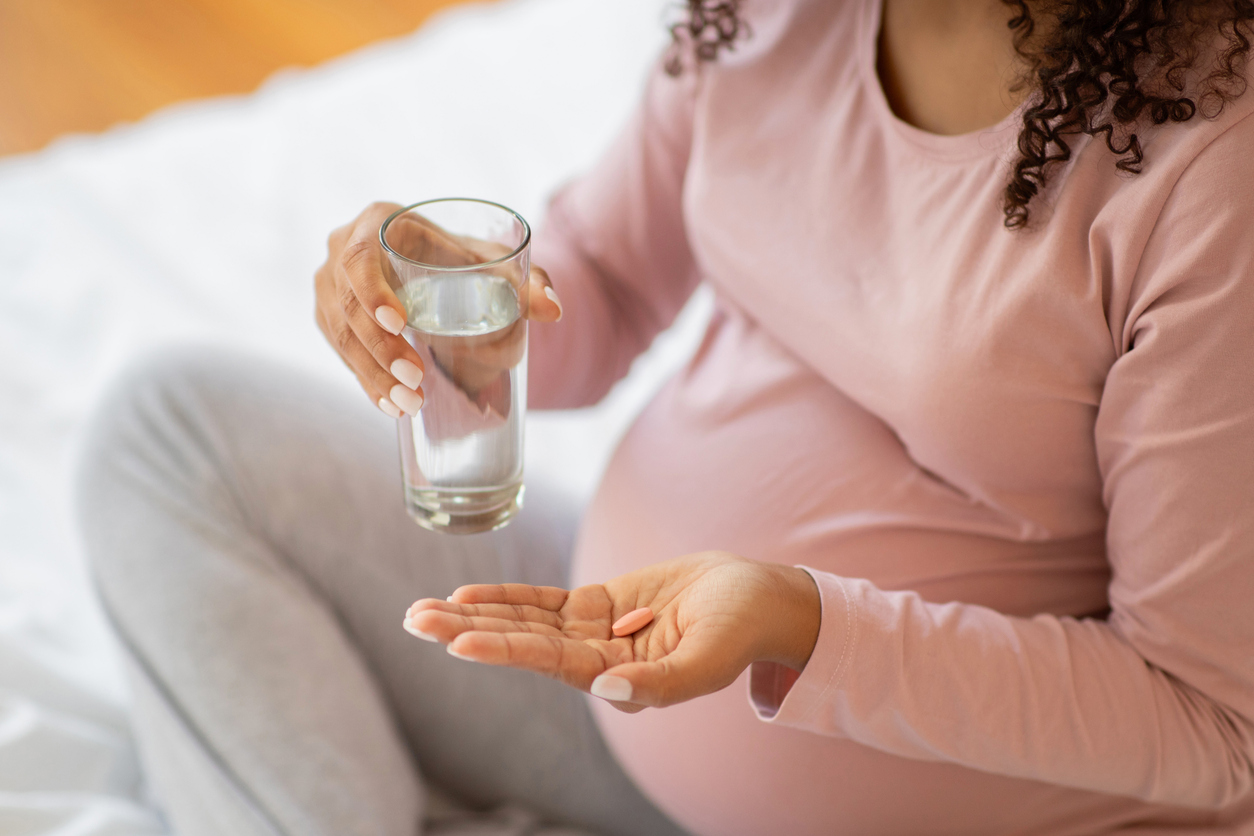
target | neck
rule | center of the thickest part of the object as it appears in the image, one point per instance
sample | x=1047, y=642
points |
x=950, y=66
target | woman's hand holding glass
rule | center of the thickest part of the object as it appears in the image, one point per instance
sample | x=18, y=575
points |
x=714, y=614
x=362, y=318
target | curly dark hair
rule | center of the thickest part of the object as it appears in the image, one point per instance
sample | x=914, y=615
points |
x=1106, y=68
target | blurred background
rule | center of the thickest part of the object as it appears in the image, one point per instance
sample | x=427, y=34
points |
x=69, y=66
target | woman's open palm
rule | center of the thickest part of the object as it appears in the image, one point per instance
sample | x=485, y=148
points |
x=714, y=614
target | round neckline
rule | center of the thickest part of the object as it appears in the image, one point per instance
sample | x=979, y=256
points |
x=982, y=143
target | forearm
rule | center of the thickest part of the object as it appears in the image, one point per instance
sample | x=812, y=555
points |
x=1059, y=700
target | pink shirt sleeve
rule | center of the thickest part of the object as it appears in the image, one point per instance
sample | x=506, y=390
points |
x=1156, y=701
x=614, y=245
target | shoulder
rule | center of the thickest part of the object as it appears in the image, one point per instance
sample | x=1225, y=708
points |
x=1221, y=94
x=1202, y=171
x=1207, y=134
x=787, y=51
x=1207, y=184
x=770, y=26
x=1192, y=252
x=1220, y=161
x=1176, y=231
x=1204, y=163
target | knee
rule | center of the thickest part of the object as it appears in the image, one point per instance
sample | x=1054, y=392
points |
x=129, y=418
x=138, y=449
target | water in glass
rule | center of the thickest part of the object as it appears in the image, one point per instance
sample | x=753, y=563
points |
x=467, y=440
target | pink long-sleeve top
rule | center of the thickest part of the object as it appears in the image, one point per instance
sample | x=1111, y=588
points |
x=1019, y=465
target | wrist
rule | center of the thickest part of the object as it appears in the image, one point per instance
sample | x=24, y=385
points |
x=797, y=614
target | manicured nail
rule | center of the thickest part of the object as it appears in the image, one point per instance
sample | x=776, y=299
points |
x=410, y=628
x=452, y=652
x=407, y=399
x=632, y=622
x=613, y=688
x=389, y=408
x=549, y=292
x=406, y=372
x=389, y=320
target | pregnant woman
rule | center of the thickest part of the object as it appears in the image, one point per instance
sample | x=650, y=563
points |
x=982, y=362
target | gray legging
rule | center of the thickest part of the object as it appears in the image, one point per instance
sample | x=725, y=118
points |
x=246, y=532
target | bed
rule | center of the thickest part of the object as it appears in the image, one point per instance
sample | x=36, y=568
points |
x=204, y=223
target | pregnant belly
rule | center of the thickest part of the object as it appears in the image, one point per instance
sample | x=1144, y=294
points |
x=775, y=464
x=718, y=771
x=711, y=764
x=750, y=451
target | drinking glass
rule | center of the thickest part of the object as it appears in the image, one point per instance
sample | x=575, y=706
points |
x=459, y=266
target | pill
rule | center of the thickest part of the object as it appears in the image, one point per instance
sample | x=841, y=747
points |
x=632, y=621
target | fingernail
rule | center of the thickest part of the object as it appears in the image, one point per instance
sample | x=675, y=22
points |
x=389, y=320
x=549, y=292
x=452, y=652
x=389, y=408
x=411, y=629
x=407, y=399
x=406, y=372
x=613, y=688
x=449, y=599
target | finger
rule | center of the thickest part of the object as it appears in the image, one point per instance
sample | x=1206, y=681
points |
x=542, y=302
x=693, y=669
x=512, y=612
x=480, y=250
x=328, y=309
x=446, y=626
x=627, y=707
x=363, y=261
x=373, y=377
x=545, y=597
x=480, y=359
x=576, y=663
x=389, y=354
x=383, y=402
x=420, y=239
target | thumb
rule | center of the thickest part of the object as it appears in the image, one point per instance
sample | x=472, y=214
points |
x=692, y=670
x=542, y=302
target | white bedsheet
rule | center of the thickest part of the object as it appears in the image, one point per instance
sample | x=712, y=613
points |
x=205, y=222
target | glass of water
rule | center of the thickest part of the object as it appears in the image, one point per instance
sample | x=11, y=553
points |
x=459, y=266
